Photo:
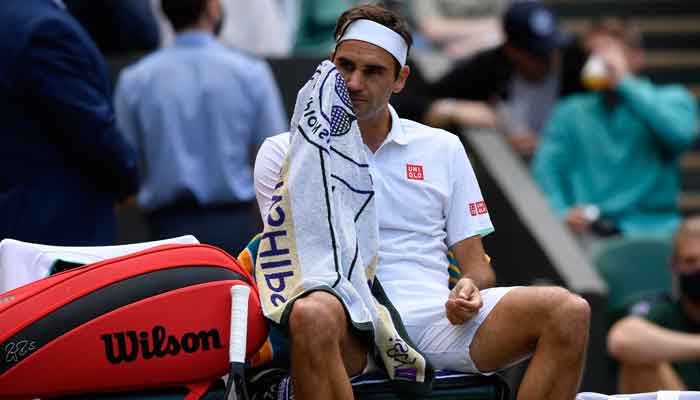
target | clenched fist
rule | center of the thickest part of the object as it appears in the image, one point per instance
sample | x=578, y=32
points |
x=464, y=302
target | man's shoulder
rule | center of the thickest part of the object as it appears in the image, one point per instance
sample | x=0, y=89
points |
x=274, y=147
x=239, y=59
x=148, y=63
x=271, y=155
x=577, y=101
x=20, y=19
x=217, y=54
x=418, y=133
x=278, y=140
x=23, y=15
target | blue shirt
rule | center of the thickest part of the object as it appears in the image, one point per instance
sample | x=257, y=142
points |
x=195, y=111
x=623, y=159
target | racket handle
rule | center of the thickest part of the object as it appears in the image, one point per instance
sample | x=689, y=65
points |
x=239, y=323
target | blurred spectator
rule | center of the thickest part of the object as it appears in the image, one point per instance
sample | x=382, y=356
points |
x=261, y=27
x=196, y=111
x=460, y=27
x=264, y=28
x=512, y=87
x=609, y=160
x=63, y=165
x=658, y=346
x=118, y=26
x=316, y=26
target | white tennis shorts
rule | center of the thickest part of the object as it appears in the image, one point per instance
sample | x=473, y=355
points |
x=447, y=346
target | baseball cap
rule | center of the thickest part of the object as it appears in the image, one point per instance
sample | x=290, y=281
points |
x=532, y=27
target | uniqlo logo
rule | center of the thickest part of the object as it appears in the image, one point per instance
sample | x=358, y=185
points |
x=477, y=208
x=414, y=172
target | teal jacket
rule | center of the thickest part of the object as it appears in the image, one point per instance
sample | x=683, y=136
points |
x=624, y=159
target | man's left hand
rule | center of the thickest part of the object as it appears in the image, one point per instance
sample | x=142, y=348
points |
x=615, y=59
x=464, y=302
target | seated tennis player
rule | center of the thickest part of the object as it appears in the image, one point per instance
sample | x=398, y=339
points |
x=427, y=201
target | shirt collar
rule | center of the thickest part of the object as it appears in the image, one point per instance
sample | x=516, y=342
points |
x=396, y=134
x=194, y=38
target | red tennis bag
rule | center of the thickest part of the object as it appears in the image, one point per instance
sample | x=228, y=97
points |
x=154, y=319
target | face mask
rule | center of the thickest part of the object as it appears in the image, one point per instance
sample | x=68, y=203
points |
x=690, y=286
x=594, y=74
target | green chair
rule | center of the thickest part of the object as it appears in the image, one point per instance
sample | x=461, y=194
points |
x=633, y=268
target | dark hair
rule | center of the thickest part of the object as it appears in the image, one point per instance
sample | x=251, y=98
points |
x=392, y=20
x=183, y=13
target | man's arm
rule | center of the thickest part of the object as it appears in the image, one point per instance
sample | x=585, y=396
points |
x=266, y=171
x=462, y=95
x=467, y=219
x=63, y=83
x=448, y=111
x=638, y=341
x=477, y=78
x=670, y=112
x=465, y=300
x=551, y=165
x=474, y=262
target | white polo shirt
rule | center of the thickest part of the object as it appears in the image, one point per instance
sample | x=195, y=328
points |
x=427, y=199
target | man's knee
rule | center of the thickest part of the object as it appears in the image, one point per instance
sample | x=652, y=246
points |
x=570, y=316
x=317, y=319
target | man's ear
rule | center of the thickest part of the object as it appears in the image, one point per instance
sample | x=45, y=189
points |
x=401, y=80
x=215, y=10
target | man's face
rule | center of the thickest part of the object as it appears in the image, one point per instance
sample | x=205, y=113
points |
x=687, y=256
x=686, y=266
x=369, y=72
x=601, y=42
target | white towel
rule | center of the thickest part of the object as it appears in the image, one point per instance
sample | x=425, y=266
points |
x=321, y=231
x=23, y=262
x=660, y=395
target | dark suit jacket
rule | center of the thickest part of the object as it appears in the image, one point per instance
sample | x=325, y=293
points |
x=118, y=26
x=62, y=162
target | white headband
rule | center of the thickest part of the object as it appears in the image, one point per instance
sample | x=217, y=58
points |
x=378, y=35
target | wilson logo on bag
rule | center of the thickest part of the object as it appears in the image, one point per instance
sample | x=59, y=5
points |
x=126, y=346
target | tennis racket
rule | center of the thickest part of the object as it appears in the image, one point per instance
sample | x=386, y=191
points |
x=235, y=386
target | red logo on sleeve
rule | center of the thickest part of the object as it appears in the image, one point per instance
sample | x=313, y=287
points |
x=477, y=208
x=414, y=172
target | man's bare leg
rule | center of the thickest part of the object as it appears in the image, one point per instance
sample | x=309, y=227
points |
x=648, y=378
x=550, y=321
x=324, y=353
